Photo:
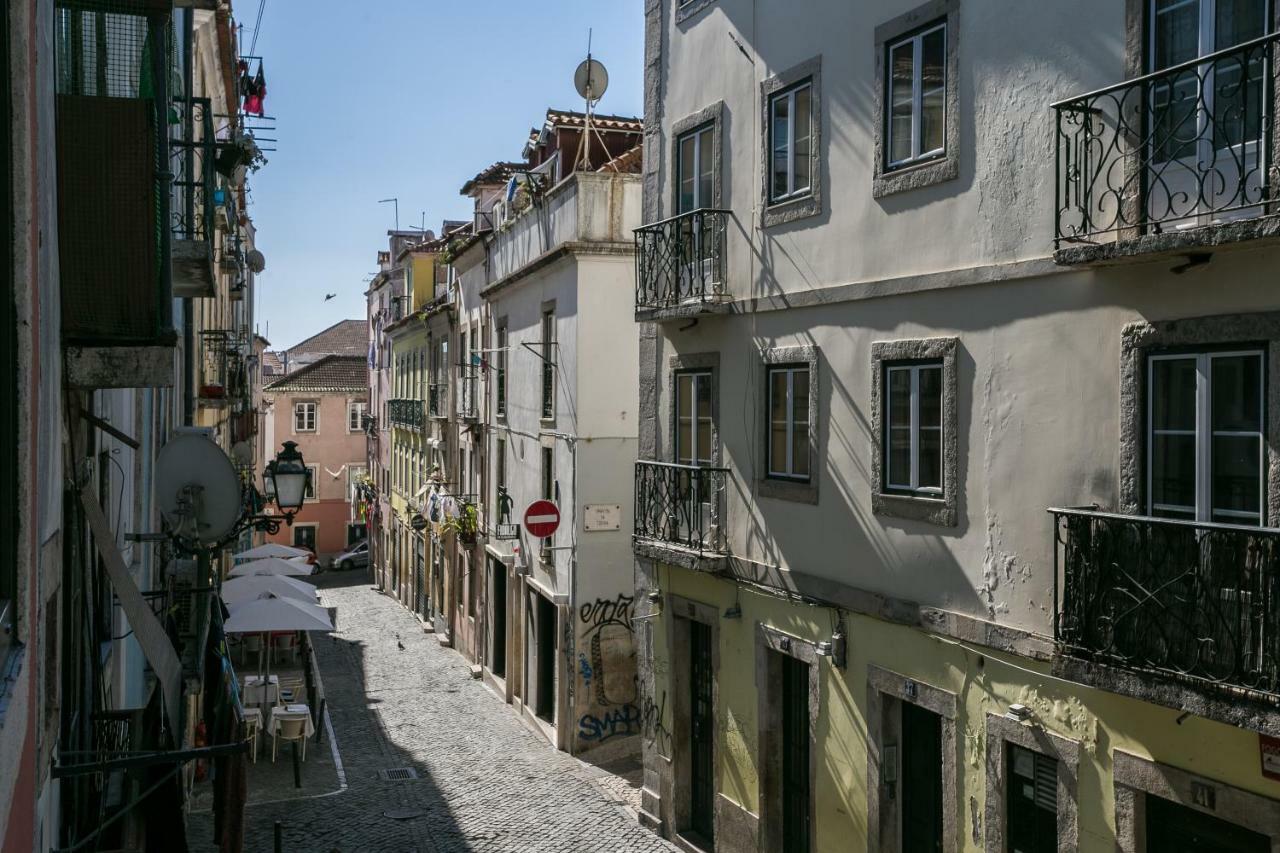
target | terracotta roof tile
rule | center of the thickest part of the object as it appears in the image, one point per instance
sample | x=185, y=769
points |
x=498, y=173
x=346, y=337
x=332, y=373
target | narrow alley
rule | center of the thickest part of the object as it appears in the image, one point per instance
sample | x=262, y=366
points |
x=484, y=781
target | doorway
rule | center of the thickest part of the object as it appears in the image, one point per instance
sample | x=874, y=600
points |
x=498, y=619
x=304, y=536
x=1175, y=828
x=545, y=662
x=795, y=756
x=702, y=785
x=356, y=533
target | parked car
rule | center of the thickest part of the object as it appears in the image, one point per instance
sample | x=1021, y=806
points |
x=356, y=557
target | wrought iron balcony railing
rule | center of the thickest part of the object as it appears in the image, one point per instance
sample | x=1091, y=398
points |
x=681, y=505
x=1193, y=602
x=1186, y=146
x=437, y=399
x=681, y=260
x=405, y=413
x=468, y=386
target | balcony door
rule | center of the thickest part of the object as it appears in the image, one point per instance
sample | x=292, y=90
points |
x=1206, y=448
x=694, y=446
x=695, y=190
x=1207, y=158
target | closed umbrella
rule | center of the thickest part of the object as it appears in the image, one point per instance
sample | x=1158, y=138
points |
x=270, y=566
x=241, y=589
x=271, y=549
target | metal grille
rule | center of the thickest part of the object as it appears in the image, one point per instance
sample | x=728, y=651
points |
x=398, y=774
x=113, y=60
x=681, y=259
x=795, y=756
x=701, y=732
x=680, y=504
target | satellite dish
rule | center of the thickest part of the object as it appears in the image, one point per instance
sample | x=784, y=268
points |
x=197, y=487
x=255, y=260
x=591, y=80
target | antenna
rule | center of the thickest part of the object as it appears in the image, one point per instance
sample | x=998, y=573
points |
x=591, y=79
x=396, y=202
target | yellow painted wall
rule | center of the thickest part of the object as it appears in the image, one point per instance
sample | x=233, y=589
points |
x=984, y=682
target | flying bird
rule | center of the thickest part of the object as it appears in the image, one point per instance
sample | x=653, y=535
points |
x=329, y=296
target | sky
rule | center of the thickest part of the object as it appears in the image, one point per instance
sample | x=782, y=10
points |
x=377, y=99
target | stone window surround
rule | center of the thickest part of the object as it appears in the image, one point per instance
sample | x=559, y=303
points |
x=1135, y=777
x=886, y=690
x=810, y=205
x=940, y=169
x=712, y=116
x=687, y=10
x=298, y=401
x=683, y=611
x=1002, y=731
x=553, y=350
x=1140, y=338
x=774, y=487
x=941, y=511
x=769, y=722
x=684, y=363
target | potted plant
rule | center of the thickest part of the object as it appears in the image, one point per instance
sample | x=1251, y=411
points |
x=238, y=154
x=464, y=523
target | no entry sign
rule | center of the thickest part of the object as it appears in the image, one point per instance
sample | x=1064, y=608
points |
x=541, y=519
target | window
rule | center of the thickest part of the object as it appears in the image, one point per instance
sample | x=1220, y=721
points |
x=694, y=428
x=500, y=373
x=313, y=477
x=304, y=417
x=548, y=491
x=913, y=434
x=788, y=448
x=304, y=536
x=502, y=503
x=917, y=96
x=695, y=169
x=790, y=135
x=548, y=364
x=355, y=415
x=1031, y=807
x=1206, y=453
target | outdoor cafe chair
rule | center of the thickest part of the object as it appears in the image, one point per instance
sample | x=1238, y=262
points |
x=289, y=729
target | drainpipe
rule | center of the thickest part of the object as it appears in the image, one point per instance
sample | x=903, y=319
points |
x=188, y=136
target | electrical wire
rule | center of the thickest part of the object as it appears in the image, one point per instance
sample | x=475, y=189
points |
x=257, y=25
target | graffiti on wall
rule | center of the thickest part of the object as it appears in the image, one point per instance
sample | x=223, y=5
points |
x=618, y=722
x=653, y=724
x=610, y=673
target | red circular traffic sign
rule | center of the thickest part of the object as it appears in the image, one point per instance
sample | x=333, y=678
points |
x=541, y=519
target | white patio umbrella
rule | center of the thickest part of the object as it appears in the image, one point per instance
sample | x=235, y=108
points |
x=273, y=613
x=241, y=589
x=270, y=566
x=271, y=549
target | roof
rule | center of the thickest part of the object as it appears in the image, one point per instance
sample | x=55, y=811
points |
x=346, y=337
x=619, y=124
x=498, y=173
x=271, y=364
x=628, y=162
x=332, y=373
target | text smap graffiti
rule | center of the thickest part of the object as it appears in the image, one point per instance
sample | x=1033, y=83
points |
x=619, y=722
x=607, y=632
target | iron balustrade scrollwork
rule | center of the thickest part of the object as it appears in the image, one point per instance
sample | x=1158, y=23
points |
x=681, y=260
x=467, y=389
x=681, y=505
x=192, y=163
x=1194, y=602
x=405, y=413
x=1190, y=145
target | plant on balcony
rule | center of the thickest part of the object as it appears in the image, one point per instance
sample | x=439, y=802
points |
x=464, y=523
x=240, y=152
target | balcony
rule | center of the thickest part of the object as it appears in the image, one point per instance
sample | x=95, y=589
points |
x=1170, y=162
x=406, y=414
x=468, y=385
x=195, y=215
x=680, y=264
x=679, y=514
x=1197, y=604
x=438, y=399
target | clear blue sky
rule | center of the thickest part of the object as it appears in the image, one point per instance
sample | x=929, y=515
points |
x=406, y=98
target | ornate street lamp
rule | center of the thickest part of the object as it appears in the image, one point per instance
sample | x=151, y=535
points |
x=286, y=480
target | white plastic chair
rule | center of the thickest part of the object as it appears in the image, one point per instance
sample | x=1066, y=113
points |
x=251, y=644
x=285, y=643
x=253, y=722
x=290, y=729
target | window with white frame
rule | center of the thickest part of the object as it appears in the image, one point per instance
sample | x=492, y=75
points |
x=788, y=448
x=694, y=428
x=917, y=99
x=790, y=141
x=304, y=416
x=355, y=415
x=313, y=478
x=695, y=169
x=1206, y=448
x=913, y=435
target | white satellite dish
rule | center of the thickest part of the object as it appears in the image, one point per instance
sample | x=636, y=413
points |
x=591, y=80
x=197, y=487
x=256, y=261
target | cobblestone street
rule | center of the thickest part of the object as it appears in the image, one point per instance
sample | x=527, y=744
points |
x=485, y=782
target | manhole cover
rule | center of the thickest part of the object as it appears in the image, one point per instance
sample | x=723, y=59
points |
x=398, y=774
x=403, y=814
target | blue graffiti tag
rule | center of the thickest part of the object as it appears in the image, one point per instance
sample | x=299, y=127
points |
x=585, y=668
x=622, y=721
